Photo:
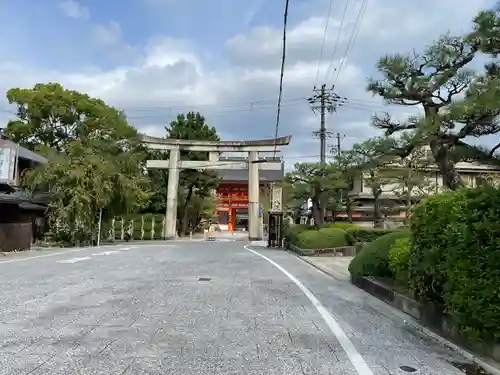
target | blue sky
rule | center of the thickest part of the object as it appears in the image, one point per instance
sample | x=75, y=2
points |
x=156, y=58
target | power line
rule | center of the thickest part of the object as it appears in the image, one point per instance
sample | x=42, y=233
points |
x=327, y=21
x=283, y=57
x=337, y=40
x=218, y=105
x=350, y=43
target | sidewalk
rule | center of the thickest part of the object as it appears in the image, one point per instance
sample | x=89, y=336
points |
x=336, y=267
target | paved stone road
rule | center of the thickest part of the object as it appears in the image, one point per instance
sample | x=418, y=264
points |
x=141, y=310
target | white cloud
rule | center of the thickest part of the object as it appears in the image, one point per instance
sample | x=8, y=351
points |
x=110, y=34
x=169, y=76
x=73, y=9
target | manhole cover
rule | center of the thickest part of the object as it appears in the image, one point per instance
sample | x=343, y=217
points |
x=408, y=368
x=204, y=278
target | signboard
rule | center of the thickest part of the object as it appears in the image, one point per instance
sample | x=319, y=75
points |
x=276, y=198
x=8, y=156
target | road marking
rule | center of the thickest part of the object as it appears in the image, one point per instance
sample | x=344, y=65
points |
x=82, y=249
x=356, y=359
x=45, y=255
x=74, y=260
x=106, y=253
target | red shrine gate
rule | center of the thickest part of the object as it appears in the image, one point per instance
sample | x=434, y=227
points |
x=232, y=206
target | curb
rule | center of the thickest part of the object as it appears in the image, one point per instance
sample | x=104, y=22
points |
x=441, y=340
x=408, y=320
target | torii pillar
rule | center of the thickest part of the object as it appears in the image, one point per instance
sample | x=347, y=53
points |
x=174, y=164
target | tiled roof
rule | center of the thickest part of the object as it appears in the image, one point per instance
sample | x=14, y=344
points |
x=24, y=153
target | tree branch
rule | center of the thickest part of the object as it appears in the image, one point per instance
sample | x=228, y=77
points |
x=493, y=150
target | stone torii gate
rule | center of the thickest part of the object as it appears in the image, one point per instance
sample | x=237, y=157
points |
x=214, y=149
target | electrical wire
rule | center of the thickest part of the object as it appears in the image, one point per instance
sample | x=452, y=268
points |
x=283, y=57
x=245, y=161
x=337, y=40
x=350, y=43
x=327, y=21
x=221, y=112
x=218, y=105
x=233, y=108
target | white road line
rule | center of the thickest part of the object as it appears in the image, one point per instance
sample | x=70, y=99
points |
x=106, y=253
x=44, y=256
x=356, y=359
x=74, y=260
x=63, y=252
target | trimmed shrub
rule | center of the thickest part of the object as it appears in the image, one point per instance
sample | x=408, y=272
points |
x=344, y=226
x=367, y=234
x=455, y=258
x=399, y=255
x=347, y=227
x=324, y=238
x=373, y=259
x=293, y=231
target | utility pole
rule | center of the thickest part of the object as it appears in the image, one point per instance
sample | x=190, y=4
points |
x=338, y=143
x=324, y=100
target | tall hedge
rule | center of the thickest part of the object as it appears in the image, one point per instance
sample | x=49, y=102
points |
x=455, y=258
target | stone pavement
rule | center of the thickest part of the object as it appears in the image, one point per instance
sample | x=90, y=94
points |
x=186, y=308
x=334, y=266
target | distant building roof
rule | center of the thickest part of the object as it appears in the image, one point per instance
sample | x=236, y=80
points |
x=24, y=153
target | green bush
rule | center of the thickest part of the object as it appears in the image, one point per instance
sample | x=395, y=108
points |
x=293, y=231
x=399, y=255
x=429, y=221
x=344, y=226
x=322, y=238
x=367, y=234
x=373, y=259
x=455, y=258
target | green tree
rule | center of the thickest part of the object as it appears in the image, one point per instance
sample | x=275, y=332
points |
x=194, y=185
x=74, y=130
x=84, y=183
x=457, y=102
x=50, y=117
x=366, y=162
x=411, y=177
x=317, y=182
x=292, y=202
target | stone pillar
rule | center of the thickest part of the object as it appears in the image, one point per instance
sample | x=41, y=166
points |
x=254, y=233
x=172, y=191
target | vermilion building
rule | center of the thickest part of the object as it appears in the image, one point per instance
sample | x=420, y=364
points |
x=232, y=193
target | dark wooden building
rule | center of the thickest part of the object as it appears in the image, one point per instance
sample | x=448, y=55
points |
x=22, y=217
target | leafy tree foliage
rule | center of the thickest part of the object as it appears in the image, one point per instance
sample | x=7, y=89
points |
x=292, y=202
x=317, y=182
x=50, y=117
x=411, y=178
x=194, y=186
x=83, y=183
x=365, y=162
x=457, y=102
x=95, y=158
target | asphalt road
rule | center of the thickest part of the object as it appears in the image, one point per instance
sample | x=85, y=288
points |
x=142, y=310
